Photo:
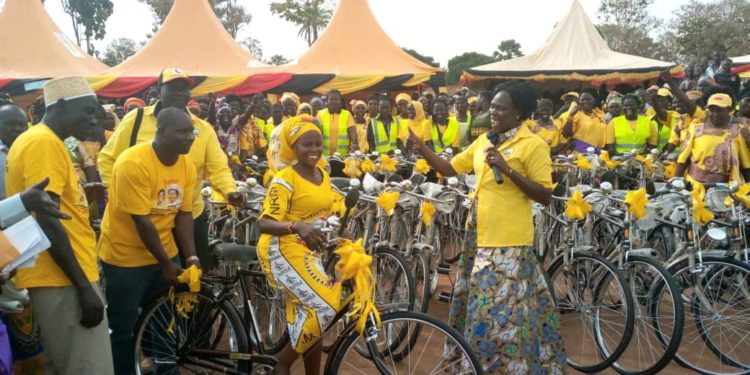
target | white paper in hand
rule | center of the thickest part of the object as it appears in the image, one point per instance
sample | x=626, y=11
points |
x=29, y=239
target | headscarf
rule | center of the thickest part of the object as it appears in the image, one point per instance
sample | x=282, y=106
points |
x=290, y=95
x=134, y=101
x=303, y=106
x=617, y=99
x=293, y=128
x=419, y=117
x=403, y=96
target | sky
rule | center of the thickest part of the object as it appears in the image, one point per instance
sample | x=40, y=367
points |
x=438, y=28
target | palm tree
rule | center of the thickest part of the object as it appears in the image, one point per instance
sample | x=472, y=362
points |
x=311, y=16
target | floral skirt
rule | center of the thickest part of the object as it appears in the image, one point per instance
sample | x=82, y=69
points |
x=503, y=307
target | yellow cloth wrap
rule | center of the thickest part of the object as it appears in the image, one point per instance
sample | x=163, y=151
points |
x=611, y=164
x=576, y=208
x=427, y=210
x=422, y=167
x=636, y=202
x=293, y=128
x=351, y=168
x=403, y=96
x=700, y=213
x=186, y=302
x=387, y=201
x=647, y=161
x=354, y=264
x=368, y=166
x=583, y=163
x=387, y=164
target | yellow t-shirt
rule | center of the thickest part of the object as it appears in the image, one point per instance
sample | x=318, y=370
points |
x=364, y=146
x=334, y=126
x=504, y=216
x=589, y=129
x=416, y=127
x=209, y=159
x=719, y=151
x=551, y=134
x=252, y=138
x=142, y=185
x=40, y=153
x=653, y=135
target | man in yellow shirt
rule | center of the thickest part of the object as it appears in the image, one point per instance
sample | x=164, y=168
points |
x=339, y=133
x=631, y=131
x=206, y=153
x=583, y=126
x=64, y=283
x=137, y=246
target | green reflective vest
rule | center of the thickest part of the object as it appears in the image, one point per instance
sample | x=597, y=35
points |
x=385, y=142
x=626, y=139
x=342, y=144
x=449, y=136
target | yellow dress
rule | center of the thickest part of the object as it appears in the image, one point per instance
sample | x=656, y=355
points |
x=551, y=134
x=312, y=298
x=714, y=154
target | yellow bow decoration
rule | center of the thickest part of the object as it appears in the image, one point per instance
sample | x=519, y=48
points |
x=700, y=213
x=351, y=168
x=422, y=167
x=354, y=264
x=427, y=210
x=583, y=163
x=741, y=195
x=186, y=302
x=669, y=169
x=611, y=164
x=387, y=164
x=368, y=166
x=387, y=201
x=636, y=202
x=647, y=162
x=576, y=208
x=236, y=160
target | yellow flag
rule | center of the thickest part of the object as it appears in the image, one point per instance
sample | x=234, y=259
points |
x=576, y=208
x=427, y=210
x=387, y=201
x=422, y=166
x=636, y=202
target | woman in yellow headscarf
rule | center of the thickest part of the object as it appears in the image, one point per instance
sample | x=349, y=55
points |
x=359, y=109
x=416, y=120
x=304, y=109
x=289, y=245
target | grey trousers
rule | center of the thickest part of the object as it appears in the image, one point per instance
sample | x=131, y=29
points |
x=68, y=347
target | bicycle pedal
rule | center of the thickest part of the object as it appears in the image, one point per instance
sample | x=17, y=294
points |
x=445, y=297
x=444, y=269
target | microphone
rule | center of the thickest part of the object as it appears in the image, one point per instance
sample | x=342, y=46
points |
x=494, y=139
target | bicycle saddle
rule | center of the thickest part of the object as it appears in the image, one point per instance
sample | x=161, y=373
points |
x=236, y=253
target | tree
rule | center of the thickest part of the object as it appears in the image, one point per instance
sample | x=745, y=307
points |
x=625, y=26
x=508, y=49
x=429, y=60
x=458, y=64
x=89, y=19
x=118, y=50
x=311, y=16
x=278, y=60
x=700, y=28
x=232, y=15
x=253, y=45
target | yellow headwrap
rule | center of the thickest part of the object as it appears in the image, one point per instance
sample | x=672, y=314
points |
x=303, y=106
x=290, y=95
x=293, y=128
x=358, y=102
x=403, y=96
x=419, y=109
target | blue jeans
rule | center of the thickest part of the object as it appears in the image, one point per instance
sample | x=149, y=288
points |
x=128, y=289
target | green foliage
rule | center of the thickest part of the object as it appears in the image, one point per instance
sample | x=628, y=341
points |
x=311, y=16
x=626, y=25
x=429, y=60
x=508, y=49
x=253, y=45
x=231, y=14
x=118, y=50
x=278, y=60
x=89, y=19
x=700, y=28
x=458, y=64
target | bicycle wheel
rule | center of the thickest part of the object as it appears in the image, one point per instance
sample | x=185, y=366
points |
x=595, y=308
x=450, y=237
x=658, y=307
x=455, y=358
x=420, y=270
x=395, y=283
x=269, y=315
x=211, y=325
x=717, y=334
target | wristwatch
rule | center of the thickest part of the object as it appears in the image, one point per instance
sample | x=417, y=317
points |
x=192, y=258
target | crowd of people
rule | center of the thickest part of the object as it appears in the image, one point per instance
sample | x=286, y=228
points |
x=123, y=202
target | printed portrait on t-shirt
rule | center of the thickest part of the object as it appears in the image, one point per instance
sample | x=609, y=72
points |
x=169, y=198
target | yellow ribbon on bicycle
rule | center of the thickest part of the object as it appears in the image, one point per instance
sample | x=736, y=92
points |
x=701, y=214
x=584, y=163
x=387, y=201
x=351, y=168
x=387, y=164
x=186, y=302
x=427, y=210
x=611, y=164
x=741, y=195
x=422, y=167
x=576, y=207
x=636, y=202
x=354, y=264
x=368, y=166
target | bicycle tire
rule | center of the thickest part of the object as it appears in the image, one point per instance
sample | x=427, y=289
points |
x=268, y=306
x=420, y=267
x=353, y=340
x=206, y=314
x=597, y=287
x=449, y=240
x=650, y=292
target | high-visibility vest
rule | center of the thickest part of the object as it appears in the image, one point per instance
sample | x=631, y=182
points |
x=385, y=142
x=342, y=144
x=665, y=130
x=626, y=139
x=449, y=136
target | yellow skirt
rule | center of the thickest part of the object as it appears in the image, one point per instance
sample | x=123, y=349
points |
x=312, y=298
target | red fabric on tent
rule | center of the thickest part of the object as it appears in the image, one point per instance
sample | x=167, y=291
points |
x=127, y=86
x=260, y=82
x=5, y=82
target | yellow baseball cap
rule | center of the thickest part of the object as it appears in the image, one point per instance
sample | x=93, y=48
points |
x=663, y=92
x=720, y=100
x=567, y=94
x=693, y=94
x=171, y=74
